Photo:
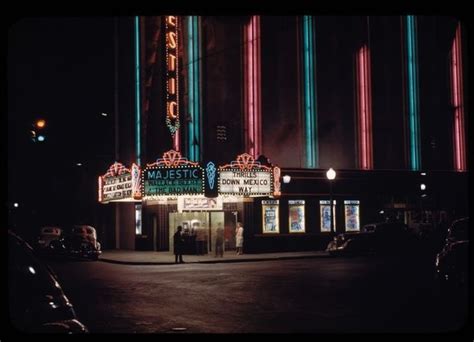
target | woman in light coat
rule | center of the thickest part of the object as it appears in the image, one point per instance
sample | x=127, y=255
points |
x=239, y=238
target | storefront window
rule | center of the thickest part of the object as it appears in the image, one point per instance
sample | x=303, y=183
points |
x=325, y=210
x=352, y=215
x=296, y=216
x=270, y=216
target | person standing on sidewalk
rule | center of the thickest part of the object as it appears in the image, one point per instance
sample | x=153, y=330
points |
x=239, y=238
x=219, y=240
x=178, y=241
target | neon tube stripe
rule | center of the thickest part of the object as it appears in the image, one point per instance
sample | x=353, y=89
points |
x=458, y=102
x=364, y=95
x=362, y=109
x=252, y=100
x=309, y=93
x=137, y=89
x=258, y=82
x=194, y=126
x=414, y=118
x=251, y=89
x=197, y=95
x=370, y=162
x=191, y=106
x=309, y=151
x=312, y=55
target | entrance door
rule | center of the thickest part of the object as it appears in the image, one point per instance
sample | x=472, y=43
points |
x=216, y=237
x=196, y=231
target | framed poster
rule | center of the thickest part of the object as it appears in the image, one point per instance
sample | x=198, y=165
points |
x=325, y=212
x=296, y=216
x=270, y=216
x=352, y=215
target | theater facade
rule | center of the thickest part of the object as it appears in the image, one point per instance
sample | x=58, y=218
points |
x=239, y=118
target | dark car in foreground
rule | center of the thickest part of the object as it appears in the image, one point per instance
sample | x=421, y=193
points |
x=377, y=238
x=452, y=261
x=37, y=302
x=452, y=264
x=459, y=230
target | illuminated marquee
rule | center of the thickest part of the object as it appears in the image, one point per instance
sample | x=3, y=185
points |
x=246, y=177
x=172, y=91
x=120, y=184
x=172, y=175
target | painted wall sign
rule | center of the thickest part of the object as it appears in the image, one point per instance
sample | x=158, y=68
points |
x=246, y=177
x=120, y=184
x=172, y=175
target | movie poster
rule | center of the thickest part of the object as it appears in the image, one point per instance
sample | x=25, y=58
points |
x=325, y=211
x=296, y=216
x=351, y=210
x=270, y=216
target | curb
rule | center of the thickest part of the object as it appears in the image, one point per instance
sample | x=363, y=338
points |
x=149, y=263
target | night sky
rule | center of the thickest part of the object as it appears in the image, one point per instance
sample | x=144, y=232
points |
x=60, y=69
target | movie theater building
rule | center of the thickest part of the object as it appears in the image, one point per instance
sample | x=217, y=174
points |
x=239, y=118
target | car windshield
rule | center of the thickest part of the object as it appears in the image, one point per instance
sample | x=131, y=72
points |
x=458, y=230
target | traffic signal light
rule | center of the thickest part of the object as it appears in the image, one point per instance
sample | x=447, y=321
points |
x=40, y=123
x=37, y=134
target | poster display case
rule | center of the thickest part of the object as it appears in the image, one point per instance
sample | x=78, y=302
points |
x=296, y=216
x=270, y=217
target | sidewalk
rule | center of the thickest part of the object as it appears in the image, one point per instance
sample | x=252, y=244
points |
x=129, y=257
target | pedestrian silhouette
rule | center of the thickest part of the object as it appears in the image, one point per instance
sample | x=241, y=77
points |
x=239, y=238
x=178, y=241
x=219, y=240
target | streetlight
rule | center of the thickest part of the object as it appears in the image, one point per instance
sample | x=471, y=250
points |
x=331, y=175
x=37, y=133
x=286, y=179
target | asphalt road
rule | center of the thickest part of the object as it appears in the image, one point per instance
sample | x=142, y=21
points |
x=307, y=295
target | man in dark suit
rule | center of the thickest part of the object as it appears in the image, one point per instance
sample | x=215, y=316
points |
x=178, y=241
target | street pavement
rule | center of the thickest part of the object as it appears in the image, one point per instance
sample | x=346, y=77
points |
x=303, y=295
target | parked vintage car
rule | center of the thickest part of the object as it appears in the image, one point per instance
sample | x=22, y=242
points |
x=352, y=243
x=37, y=302
x=81, y=241
x=47, y=235
x=377, y=238
x=49, y=242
